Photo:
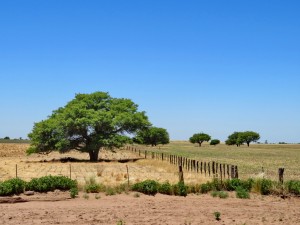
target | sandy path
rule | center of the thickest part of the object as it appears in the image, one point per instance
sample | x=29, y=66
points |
x=161, y=209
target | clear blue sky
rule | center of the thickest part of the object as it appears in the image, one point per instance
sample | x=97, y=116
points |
x=193, y=66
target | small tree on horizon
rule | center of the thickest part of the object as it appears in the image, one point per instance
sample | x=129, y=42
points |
x=214, y=142
x=152, y=136
x=238, y=138
x=199, y=138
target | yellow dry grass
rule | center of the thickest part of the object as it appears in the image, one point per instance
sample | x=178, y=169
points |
x=109, y=173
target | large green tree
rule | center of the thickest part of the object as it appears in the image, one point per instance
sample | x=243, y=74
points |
x=249, y=136
x=234, y=139
x=87, y=123
x=199, y=138
x=238, y=138
x=152, y=136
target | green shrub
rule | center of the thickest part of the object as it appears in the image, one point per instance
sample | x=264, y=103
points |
x=223, y=194
x=231, y=185
x=242, y=193
x=180, y=189
x=293, y=187
x=165, y=188
x=266, y=186
x=73, y=192
x=216, y=185
x=110, y=191
x=148, y=187
x=50, y=183
x=92, y=188
x=217, y=215
x=12, y=186
x=204, y=188
x=214, y=194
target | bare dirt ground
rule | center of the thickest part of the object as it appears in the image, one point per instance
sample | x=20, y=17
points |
x=57, y=207
x=160, y=209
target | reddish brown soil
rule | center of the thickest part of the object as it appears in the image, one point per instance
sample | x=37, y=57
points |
x=161, y=209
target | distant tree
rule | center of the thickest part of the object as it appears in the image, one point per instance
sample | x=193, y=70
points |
x=152, y=136
x=214, y=142
x=238, y=138
x=6, y=138
x=199, y=138
x=88, y=123
x=234, y=139
x=249, y=136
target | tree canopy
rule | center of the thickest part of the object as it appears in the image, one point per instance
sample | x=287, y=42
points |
x=238, y=138
x=199, y=138
x=214, y=142
x=152, y=136
x=88, y=123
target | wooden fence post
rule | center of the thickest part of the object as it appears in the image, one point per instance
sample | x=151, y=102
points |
x=236, y=172
x=181, y=174
x=213, y=168
x=70, y=171
x=232, y=172
x=208, y=169
x=205, y=168
x=221, y=173
x=280, y=174
x=228, y=171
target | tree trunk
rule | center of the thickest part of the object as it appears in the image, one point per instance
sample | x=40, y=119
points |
x=248, y=143
x=199, y=144
x=94, y=155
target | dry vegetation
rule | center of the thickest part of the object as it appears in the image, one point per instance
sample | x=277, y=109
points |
x=108, y=172
x=250, y=160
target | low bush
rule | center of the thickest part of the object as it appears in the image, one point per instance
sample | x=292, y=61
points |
x=223, y=194
x=293, y=187
x=205, y=188
x=12, y=186
x=266, y=186
x=242, y=193
x=180, y=189
x=92, y=188
x=165, y=188
x=148, y=187
x=50, y=183
x=73, y=192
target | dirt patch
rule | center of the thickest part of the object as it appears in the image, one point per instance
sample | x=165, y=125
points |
x=160, y=209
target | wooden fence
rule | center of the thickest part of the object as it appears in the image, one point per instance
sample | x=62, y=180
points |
x=211, y=169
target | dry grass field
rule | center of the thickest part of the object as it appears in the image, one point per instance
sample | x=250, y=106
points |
x=108, y=172
x=250, y=160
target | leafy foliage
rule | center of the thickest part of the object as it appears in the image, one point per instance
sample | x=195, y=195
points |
x=239, y=138
x=152, y=136
x=148, y=187
x=242, y=193
x=180, y=189
x=73, y=192
x=165, y=188
x=12, y=186
x=199, y=138
x=214, y=142
x=50, y=183
x=294, y=186
x=87, y=123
